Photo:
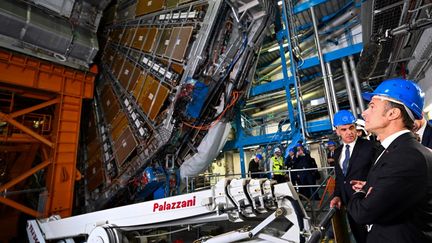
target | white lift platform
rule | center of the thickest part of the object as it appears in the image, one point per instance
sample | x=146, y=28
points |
x=236, y=200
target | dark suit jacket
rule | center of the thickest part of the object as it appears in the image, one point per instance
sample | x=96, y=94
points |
x=400, y=203
x=427, y=136
x=331, y=156
x=358, y=168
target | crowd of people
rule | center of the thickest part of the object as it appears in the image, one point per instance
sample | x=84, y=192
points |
x=288, y=168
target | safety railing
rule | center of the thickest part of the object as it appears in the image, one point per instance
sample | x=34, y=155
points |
x=205, y=181
x=316, y=204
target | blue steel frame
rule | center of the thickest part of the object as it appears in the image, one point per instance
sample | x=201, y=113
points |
x=310, y=62
x=241, y=140
x=326, y=18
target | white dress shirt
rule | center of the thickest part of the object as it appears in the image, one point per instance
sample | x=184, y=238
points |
x=386, y=142
x=342, y=156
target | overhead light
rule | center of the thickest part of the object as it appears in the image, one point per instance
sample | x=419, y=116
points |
x=251, y=147
x=279, y=3
x=276, y=48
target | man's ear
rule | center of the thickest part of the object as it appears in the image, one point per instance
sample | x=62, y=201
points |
x=394, y=113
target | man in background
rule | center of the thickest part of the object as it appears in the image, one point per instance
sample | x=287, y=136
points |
x=277, y=164
x=353, y=159
x=305, y=177
x=331, y=146
x=254, y=166
x=424, y=130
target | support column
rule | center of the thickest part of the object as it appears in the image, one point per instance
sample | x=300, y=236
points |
x=357, y=87
x=323, y=68
x=348, y=86
x=332, y=88
x=293, y=68
x=62, y=174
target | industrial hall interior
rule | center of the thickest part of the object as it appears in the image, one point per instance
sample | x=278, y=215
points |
x=176, y=121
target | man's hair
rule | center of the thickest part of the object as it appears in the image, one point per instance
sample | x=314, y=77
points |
x=406, y=119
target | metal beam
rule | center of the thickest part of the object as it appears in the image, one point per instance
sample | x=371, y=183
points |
x=269, y=87
x=326, y=18
x=17, y=138
x=34, y=108
x=308, y=63
x=312, y=127
x=19, y=207
x=14, y=148
x=333, y=55
x=24, y=175
x=256, y=140
x=320, y=126
x=305, y=5
x=25, y=129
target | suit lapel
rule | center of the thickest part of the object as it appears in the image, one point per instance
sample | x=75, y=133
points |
x=354, y=153
x=337, y=154
x=399, y=140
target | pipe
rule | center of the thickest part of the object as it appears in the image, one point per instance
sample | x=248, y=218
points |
x=336, y=22
x=312, y=94
x=323, y=68
x=332, y=88
x=348, y=86
x=322, y=227
x=308, y=44
x=357, y=87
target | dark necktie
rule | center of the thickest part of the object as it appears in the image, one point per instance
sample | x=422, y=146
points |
x=346, y=160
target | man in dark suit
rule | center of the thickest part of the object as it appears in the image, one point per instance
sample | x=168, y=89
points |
x=353, y=160
x=331, y=146
x=424, y=129
x=305, y=177
x=396, y=199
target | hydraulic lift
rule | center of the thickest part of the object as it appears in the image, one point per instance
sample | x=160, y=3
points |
x=235, y=200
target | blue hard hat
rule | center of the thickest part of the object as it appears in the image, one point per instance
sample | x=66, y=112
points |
x=259, y=156
x=331, y=143
x=402, y=90
x=292, y=150
x=343, y=117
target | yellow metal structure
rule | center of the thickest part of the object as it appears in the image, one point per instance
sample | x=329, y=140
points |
x=49, y=123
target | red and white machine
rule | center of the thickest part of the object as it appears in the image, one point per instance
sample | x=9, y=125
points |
x=235, y=200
